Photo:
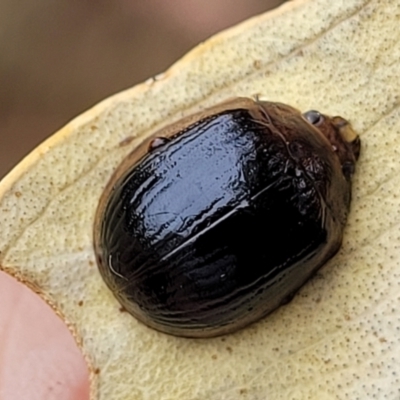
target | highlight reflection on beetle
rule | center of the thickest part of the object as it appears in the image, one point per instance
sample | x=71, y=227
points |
x=221, y=217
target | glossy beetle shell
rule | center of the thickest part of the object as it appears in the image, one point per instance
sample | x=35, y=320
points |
x=224, y=218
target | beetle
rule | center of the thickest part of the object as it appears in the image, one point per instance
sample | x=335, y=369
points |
x=221, y=217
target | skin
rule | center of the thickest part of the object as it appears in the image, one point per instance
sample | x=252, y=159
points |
x=38, y=356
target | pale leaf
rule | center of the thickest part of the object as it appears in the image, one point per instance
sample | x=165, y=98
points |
x=340, y=336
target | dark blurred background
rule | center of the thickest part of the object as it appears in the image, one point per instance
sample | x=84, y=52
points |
x=59, y=57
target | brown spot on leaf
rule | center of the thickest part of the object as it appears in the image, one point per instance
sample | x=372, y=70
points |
x=257, y=64
x=126, y=141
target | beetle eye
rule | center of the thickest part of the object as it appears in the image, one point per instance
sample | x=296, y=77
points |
x=313, y=117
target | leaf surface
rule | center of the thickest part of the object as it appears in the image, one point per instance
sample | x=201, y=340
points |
x=340, y=336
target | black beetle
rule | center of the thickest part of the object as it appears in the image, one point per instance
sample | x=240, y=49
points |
x=221, y=217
